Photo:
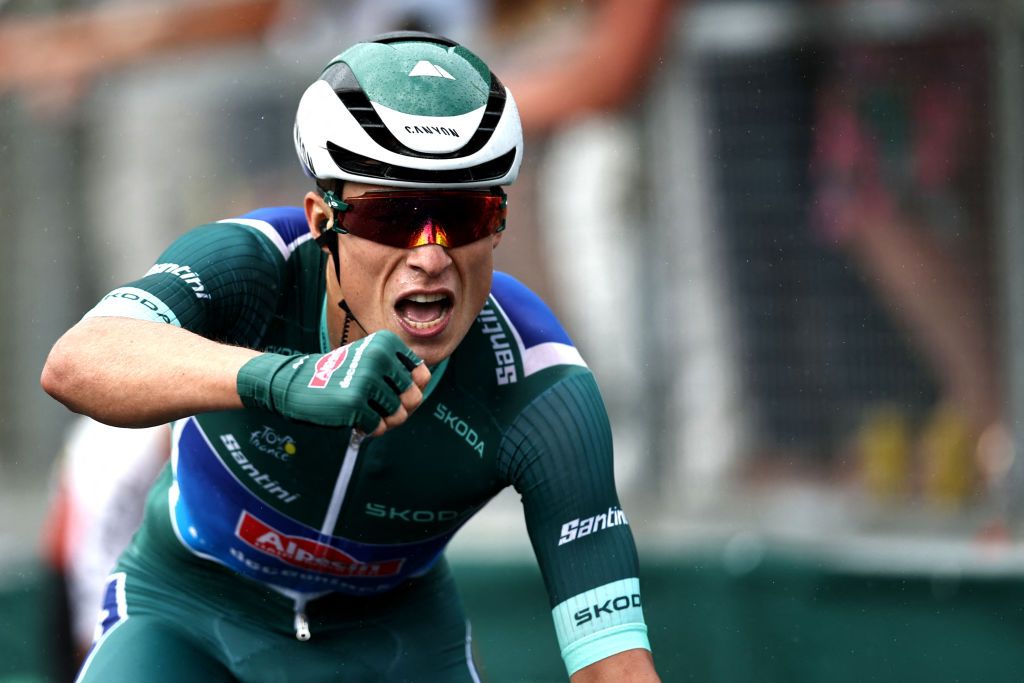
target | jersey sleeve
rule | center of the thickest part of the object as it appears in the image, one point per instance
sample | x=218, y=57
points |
x=220, y=280
x=558, y=455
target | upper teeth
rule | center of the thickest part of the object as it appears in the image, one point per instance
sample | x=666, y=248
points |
x=426, y=298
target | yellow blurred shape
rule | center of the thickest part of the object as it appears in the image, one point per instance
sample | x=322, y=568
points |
x=947, y=449
x=883, y=442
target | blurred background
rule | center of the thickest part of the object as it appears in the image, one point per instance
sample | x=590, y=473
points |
x=785, y=234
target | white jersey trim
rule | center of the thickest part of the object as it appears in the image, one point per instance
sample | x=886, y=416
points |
x=536, y=358
x=272, y=234
x=541, y=356
x=470, y=664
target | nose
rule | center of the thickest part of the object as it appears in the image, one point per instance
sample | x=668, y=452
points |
x=432, y=259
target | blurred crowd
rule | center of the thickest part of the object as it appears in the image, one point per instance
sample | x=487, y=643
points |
x=769, y=226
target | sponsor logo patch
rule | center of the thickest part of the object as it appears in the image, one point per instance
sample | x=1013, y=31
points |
x=432, y=130
x=327, y=366
x=261, y=478
x=270, y=442
x=283, y=350
x=504, y=358
x=408, y=514
x=460, y=427
x=142, y=298
x=185, y=273
x=428, y=69
x=606, y=608
x=308, y=554
x=578, y=528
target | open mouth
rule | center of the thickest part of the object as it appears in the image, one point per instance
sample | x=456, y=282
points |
x=424, y=313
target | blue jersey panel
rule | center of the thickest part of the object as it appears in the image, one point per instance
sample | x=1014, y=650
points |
x=288, y=221
x=217, y=517
x=530, y=316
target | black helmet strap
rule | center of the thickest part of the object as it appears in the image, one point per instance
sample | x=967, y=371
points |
x=329, y=231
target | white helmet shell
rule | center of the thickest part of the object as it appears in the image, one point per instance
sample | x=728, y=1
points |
x=409, y=110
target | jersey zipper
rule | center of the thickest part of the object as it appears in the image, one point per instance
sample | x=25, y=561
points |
x=341, y=484
x=348, y=466
x=301, y=622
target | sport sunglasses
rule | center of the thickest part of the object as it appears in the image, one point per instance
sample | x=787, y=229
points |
x=413, y=218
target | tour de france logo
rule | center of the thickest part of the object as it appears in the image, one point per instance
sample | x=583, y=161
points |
x=280, y=446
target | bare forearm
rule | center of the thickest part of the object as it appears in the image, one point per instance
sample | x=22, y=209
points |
x=63, y=44
x=630, y=666
x=621, y=45
x=131, y=373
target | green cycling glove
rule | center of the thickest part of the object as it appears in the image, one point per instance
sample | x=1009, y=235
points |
x=352, y=386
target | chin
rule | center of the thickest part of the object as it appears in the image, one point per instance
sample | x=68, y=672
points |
x=433, y=349
x=431, y=354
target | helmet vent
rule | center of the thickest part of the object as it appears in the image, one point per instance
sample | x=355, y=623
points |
x=357, y=164
x=359, y=106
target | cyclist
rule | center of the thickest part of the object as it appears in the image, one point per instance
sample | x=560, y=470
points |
x=349, y=382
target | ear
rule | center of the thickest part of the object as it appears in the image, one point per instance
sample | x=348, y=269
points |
x=496, y=239
x=318, y=215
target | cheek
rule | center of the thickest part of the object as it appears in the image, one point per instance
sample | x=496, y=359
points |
x=358, y=280
x=478, y=274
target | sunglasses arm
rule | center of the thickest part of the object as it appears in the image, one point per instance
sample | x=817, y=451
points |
x=337, y=205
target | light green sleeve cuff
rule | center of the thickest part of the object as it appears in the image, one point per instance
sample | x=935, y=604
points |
x=599, y=623
x=604, y=644
x=132, y=302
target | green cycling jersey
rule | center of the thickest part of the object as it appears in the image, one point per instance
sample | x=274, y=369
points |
x=309, y=512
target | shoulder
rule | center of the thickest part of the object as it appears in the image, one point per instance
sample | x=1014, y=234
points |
x=261, y=241
x=516, y=347
x=541, y=339
x=527, y=312
x=284, y=227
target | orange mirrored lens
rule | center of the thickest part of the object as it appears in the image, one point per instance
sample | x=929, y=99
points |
x=431, y=233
